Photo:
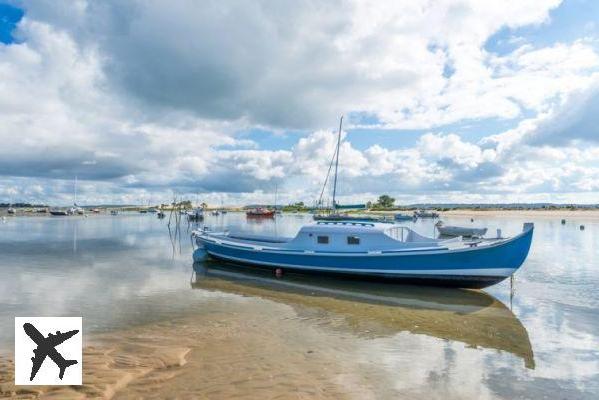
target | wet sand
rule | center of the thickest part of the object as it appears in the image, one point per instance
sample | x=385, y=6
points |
x=275, y=343
x=239, y=353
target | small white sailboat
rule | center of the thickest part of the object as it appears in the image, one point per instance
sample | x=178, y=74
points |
x=76, y=209
x=196, y=215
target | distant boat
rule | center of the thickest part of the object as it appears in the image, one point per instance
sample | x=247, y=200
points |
x=152, y=210
x=371, y=250
x=143, y=211
x=260, y=213
x=426, y=214
x=95, y=210
x=160, y=214
x=215, y=213
x=195, y=215
x=76, y=209
x=60, y=213
x=11, y=210
x=114, y=212
x=403, y=217
x=447, y=230
x=332, y=214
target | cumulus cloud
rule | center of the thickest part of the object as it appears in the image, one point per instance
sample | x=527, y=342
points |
x=140, y=97
x=294, y=64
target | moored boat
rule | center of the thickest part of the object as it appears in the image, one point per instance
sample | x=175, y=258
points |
x=260, y=213
x=195, y=215
x=373, y=250
x=59, y=213
x=426, y=214
x=403, y=217
x=449, y=230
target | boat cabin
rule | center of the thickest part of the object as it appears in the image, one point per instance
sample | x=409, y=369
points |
x=346, y=236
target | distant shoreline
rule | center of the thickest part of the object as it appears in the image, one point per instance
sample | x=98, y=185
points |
x=594, y=214
x=462, y=212
x=496, y=212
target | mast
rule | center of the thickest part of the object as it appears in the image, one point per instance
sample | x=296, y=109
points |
x=337, y=164
x=75, y=203
x=326, y=180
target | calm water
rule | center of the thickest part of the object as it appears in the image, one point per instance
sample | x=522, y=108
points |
x=117, y=272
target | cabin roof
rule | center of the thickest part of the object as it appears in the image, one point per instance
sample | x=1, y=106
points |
x=348, y=227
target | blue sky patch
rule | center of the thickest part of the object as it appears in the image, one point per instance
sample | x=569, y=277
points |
x=568, y=22
x=9, y=18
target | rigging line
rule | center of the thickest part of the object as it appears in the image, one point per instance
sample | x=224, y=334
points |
x=327, y=177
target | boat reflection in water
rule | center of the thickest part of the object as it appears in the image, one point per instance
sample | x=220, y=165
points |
x=382, y=309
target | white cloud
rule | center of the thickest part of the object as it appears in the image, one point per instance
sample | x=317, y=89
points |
x=140, y=97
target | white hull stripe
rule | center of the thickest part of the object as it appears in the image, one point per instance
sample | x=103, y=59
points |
x=503, y=272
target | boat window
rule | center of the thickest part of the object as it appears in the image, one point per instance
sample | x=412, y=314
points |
x=353, y=240
x=322, y=239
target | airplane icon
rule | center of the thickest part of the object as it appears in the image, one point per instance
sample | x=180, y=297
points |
x=46, y=347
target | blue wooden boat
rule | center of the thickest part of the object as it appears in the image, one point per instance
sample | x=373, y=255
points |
x=374, y=250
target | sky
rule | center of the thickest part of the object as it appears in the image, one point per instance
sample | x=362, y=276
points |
x=229, y=101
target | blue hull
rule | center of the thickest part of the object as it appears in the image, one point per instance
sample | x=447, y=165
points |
x=475, y=267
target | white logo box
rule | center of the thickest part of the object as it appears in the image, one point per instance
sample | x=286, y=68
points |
x=69, y=350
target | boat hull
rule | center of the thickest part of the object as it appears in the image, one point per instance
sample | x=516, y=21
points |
x=260, y=215
x=456, y=281
x=459, y=231
x=59, y=213
x=467, y=268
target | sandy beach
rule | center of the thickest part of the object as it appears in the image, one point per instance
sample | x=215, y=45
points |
x=566, y=214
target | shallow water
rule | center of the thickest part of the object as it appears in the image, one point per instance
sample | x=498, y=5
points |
x=126, y=273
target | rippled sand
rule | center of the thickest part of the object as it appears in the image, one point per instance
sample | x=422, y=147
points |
x=265, y=343
x=237, y=353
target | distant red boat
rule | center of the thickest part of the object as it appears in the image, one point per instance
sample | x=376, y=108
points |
x=260, y=213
